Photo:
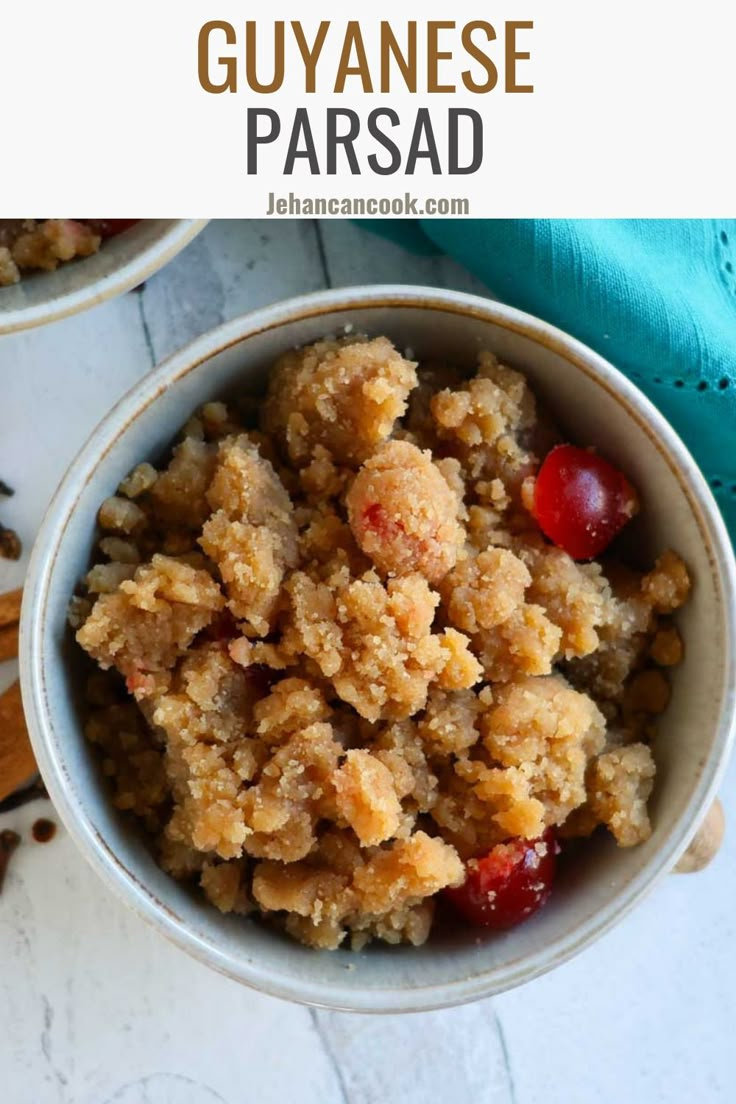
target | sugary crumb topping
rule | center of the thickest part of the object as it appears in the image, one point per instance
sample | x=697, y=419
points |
x=341, y=661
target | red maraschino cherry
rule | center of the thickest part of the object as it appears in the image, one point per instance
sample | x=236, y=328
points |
x=508, y=884
x=582, y=502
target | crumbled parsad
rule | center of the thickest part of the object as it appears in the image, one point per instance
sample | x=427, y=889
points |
x=350, y=660
x=27, y=244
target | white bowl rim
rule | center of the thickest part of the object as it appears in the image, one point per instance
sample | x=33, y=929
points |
x=148, y=260
x=73, y=811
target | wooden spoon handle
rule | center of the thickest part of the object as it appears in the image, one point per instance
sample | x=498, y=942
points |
x=706, y=842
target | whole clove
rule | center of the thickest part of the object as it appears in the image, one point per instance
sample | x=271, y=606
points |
x=10, y=544
x=43, y=830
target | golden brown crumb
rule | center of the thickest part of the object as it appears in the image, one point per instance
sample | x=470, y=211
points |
x=384, y=897
x=575, y=597
x=403, y=513
x=476, y=414
x=485, y=418
x=410, y=870
x=207, y=717
x=217, y=421
x=619, y=787
x=251, y=535
x=119, y=515
x=179, y=860
x=449, y=725
x=666, y=587
x=295, y=790
x=399, y=746
x=344, y=396
x=623, y=637
x=483, y=591
x=224, y=885
x=120, y=550
x=292, y=704
x=666, y=648
x=49, y=243
x=460, y=669
x=140, y=480
x=246, y=488
x=366, y=797
x=179, y=493
x=298, y=888
x=525, y=644
x=373, y=642
x=105, y=578
x=322, y=477
x=548, y=732
x=346, y=648
x=151, y=619
x=9, y=272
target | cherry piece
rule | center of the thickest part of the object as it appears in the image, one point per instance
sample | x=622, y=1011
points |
x=108, y=228
x=375, y=519
x=140, y=683
x=508, y=884
x=582, y=502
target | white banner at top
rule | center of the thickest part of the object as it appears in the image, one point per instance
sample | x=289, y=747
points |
x=220, y=108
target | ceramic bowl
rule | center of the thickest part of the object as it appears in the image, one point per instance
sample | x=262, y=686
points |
x=122, y=263
x=594, y=404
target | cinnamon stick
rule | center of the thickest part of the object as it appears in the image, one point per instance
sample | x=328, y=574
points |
x=8, y=642
x=9, y=617
x=17, y=764
x=10, y=607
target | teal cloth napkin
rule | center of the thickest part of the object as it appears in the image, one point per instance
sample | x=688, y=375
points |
x=656, y=297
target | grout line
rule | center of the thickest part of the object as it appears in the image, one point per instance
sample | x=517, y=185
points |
x=505, y=1053
x=140, y=292
x=322, y=253
x=330, y=1055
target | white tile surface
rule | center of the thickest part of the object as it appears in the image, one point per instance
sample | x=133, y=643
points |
x=95, y=1008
